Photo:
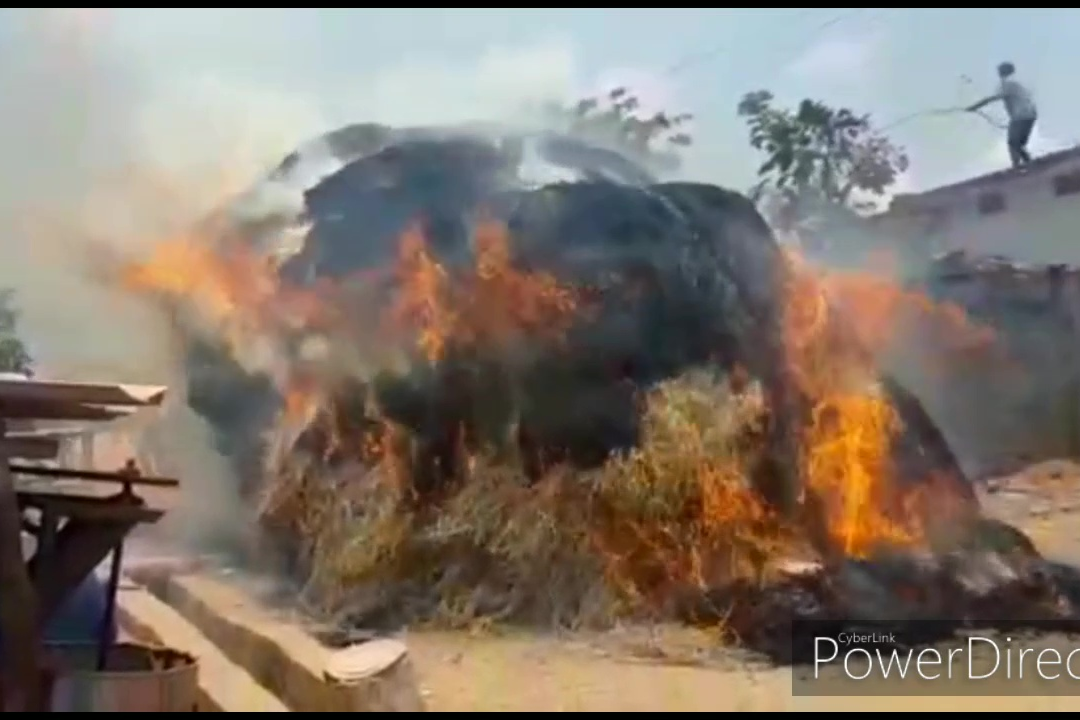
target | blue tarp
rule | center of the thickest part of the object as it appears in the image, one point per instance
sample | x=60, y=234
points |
x=78, y=621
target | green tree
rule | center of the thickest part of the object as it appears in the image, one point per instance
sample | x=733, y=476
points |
x=14, y=356
x=819, y=153
x=614, y=119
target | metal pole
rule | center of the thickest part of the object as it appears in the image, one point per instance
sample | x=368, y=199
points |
x=105, y=634
x=130, y=470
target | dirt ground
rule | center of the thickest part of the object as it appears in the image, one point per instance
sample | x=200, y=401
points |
x=462, y=672
x=522, y=674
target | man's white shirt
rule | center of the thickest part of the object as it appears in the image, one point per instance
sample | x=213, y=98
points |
x=1019, y=103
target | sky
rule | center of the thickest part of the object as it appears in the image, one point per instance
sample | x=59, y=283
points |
x=93, y=97
x=277, y=74
x=257, y=79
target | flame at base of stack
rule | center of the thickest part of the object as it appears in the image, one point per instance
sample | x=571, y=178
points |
x=889, y=551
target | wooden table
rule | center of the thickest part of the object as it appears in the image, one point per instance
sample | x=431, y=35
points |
x=80, y=519
x=75, y=530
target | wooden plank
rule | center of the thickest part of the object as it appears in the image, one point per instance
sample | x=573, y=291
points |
x=108, y=509
x=74, y=393
x=65, y=432
x=94, y=475
x=28, y=409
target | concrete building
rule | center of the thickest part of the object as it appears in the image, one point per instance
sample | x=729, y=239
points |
x=1031, y=215
x=1004, y=247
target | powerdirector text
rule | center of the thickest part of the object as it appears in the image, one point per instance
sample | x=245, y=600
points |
x=933, y=658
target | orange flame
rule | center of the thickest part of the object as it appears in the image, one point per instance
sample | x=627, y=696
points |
x=230, y=286
x=436, y=310
x=847, y=442
x=489, y=306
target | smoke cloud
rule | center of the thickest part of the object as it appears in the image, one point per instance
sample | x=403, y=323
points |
x=121, y=127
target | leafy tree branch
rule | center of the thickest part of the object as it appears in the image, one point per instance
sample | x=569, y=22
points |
x=614, y=119
x=14, y=357
x=819, y=152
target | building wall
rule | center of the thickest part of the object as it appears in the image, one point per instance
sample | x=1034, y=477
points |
x=102, y=448
x=1016, y=399
x=1038, y=223
x=996, y=415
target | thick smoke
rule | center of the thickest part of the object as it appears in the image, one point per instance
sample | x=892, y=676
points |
x=123, y=126
x=76, y=181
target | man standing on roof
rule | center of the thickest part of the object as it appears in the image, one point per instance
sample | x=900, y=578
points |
x=1020, y=107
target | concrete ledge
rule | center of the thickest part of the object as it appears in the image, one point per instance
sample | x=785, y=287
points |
x=277, y=653
x=223, y=686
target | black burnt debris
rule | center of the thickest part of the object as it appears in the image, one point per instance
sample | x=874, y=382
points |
x=997, y=582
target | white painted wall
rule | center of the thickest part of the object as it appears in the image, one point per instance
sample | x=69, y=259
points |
x=990, y=417
x=1036, y=226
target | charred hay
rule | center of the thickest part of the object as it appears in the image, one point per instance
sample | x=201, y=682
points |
x=679, y=276
x=687, y=274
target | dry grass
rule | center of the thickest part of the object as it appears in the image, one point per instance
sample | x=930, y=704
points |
x=637, y=538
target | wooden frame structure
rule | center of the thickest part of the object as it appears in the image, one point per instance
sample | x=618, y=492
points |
x=81, y=516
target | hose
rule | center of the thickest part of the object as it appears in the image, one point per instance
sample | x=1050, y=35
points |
x=938, y=112
x=965, y=83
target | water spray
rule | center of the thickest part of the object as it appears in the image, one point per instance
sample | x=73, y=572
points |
x=940, y=112
x=965, y=81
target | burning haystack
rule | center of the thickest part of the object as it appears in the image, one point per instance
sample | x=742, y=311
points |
x=501, y=375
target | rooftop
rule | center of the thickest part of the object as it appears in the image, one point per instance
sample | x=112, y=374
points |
x=24, y=398
x=1038, y=165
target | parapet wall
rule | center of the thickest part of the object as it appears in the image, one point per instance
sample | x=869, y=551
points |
x=1020, y=401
